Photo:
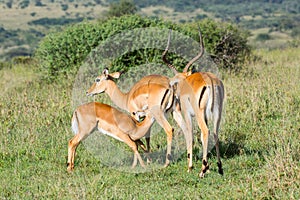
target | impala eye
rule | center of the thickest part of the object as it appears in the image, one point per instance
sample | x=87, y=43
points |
x=97, y=80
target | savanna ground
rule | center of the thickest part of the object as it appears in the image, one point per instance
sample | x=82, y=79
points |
x=259, y=141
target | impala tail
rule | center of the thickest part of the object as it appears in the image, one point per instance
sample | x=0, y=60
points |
x=74, y=126
x=215, y=102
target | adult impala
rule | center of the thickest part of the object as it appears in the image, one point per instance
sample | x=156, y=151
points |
x=200, y=94
x=152, y=92
x=108, y=120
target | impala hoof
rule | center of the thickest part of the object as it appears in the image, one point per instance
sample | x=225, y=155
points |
x=201, y=175
x=149, y=161
x=205, y=168
x=70, y=167
x=189, y=169
x=220, y=168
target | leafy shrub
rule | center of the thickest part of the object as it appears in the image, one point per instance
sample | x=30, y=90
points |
x=65, y=51
x=263, y=37
x=4, y=65
x=39, y=3
x=9, y=4
x=64, y=7
x=24, y=4
x=25, y=60
x=124, y=7
x=20, y=51
x=225, y=43
x=54, y=21
x=295, y=32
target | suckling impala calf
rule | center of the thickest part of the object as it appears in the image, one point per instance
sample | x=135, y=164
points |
x=108, y=120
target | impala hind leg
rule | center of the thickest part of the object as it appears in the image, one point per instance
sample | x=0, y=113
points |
x=220, y=169
x=217, y=120
x=204, y=139
x=147, y=136
x=72, y=146
x=145, y=149
x=148, y=150
x=186, y=127
x=136, y=155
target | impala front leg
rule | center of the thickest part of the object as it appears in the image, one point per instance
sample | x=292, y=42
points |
x=159, y=116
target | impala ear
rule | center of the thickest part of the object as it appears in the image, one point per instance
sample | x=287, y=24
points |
x=105, y=72
x=115, y=74
x=145, y=107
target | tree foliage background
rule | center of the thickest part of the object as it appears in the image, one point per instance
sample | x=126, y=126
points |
x=63, y=52
x=124, y=7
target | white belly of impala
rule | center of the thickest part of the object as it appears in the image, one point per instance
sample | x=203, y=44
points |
x=110, y=134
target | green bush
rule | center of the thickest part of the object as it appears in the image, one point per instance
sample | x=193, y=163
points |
x=263, y=37
x=62, y=52
x=225, y=43
x=25, y=60
x=55, y=21
x=24, y=4
x=124, y=7
x=4, y=65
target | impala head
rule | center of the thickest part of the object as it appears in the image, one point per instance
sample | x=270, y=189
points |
x=176, y=81
x=141, y=114
x=101, y=82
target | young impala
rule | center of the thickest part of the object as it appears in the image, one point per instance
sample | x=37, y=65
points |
x=151, y=91
x=200, y=94
x=110, y=121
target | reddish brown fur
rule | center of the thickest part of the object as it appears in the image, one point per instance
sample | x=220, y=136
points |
x=96, y=115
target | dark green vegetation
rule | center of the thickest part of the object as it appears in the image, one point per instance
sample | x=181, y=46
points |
x=124, y=7
x=67, y=50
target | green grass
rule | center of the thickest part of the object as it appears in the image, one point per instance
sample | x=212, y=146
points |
x=259, y=142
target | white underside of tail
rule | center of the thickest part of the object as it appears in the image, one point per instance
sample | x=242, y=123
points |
x=214, y=104
x=209, y=109
x=109, y=134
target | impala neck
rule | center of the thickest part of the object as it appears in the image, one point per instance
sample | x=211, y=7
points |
x=117, y=96
x=142, y=128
